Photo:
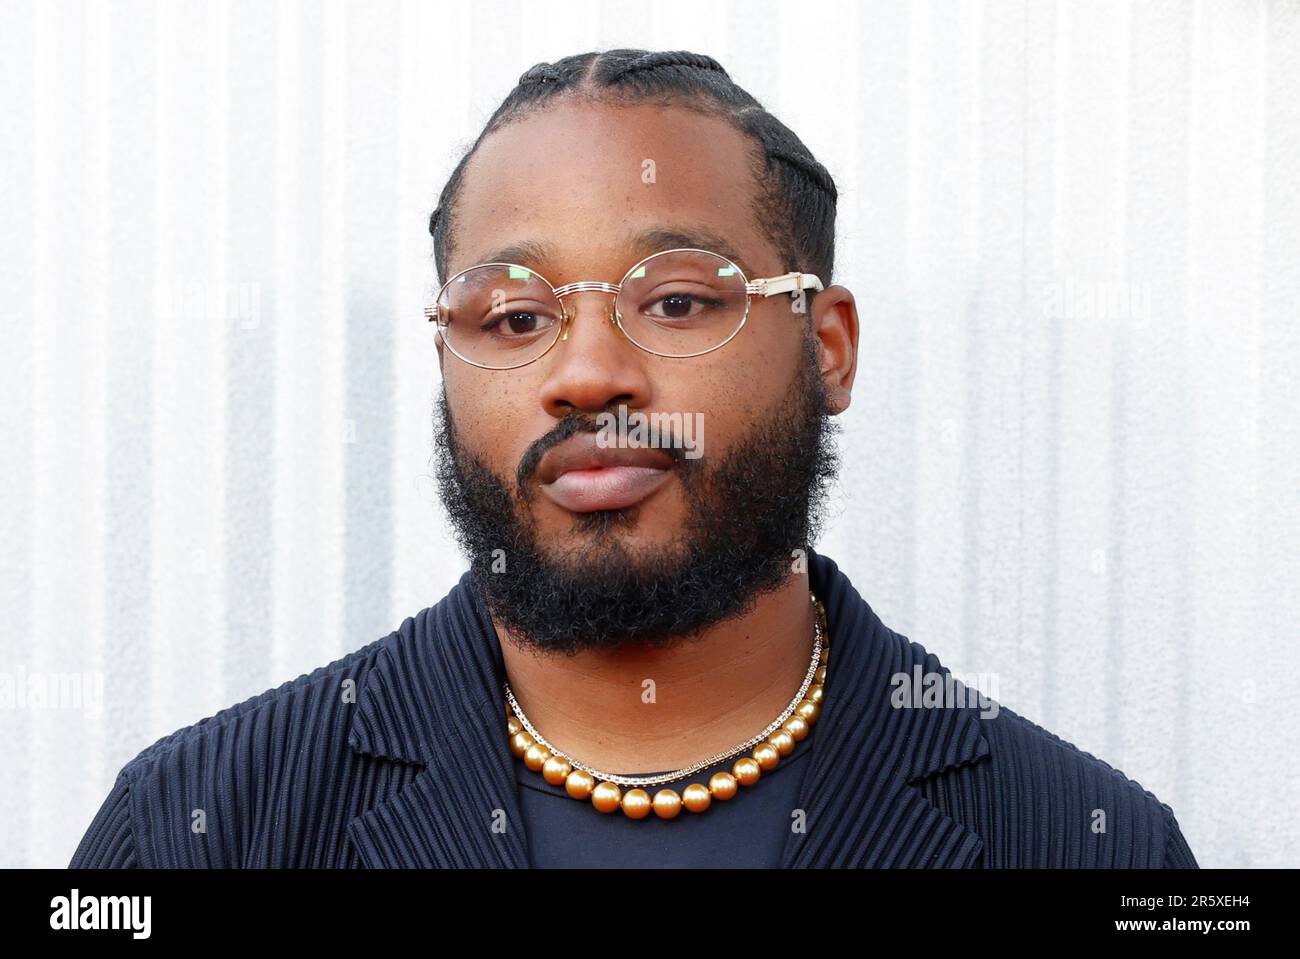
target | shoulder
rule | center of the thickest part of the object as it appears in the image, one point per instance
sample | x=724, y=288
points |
x=1035, y=799
x=1051, y=804
x=223, y=791
x=324, y=693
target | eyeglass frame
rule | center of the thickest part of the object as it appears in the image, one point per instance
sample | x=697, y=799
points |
x=765, y=287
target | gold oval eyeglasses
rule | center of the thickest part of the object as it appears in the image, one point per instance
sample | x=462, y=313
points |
x=675, y=303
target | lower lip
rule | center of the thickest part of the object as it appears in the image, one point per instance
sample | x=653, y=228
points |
x=614, y=487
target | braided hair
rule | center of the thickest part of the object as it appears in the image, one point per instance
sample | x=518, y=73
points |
x=795, y=208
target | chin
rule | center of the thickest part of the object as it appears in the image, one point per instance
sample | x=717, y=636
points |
x=601, y=537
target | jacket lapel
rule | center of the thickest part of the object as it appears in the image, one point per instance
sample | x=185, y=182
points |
x=432, y=699
x=862, y=804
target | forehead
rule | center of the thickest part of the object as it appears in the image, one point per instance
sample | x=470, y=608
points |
x=581, y=189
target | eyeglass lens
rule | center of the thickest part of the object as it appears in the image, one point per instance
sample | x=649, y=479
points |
x=675, y=304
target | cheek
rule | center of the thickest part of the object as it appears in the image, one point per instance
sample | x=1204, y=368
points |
x=758, y=365
x=733, y=389
x=490, y=422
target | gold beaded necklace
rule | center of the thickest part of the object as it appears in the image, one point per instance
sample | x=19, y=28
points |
x=769, y=748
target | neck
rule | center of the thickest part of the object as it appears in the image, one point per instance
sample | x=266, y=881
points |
x=637, y=709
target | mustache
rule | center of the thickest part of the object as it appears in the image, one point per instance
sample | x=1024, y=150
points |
x=576, y=423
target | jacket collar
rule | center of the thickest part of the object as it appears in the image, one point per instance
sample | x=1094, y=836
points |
x=432, y=698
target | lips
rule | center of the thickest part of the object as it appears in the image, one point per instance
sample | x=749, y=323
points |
x=582, y=477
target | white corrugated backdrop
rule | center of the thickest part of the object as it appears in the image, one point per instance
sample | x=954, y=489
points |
x=1072, y=463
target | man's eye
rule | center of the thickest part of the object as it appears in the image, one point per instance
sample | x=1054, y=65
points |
x=516, y=323
x=679, y=306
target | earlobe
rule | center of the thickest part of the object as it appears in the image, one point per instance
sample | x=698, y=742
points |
x=837, y=401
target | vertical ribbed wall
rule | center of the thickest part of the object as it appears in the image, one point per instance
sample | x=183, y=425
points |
x=1071, y=465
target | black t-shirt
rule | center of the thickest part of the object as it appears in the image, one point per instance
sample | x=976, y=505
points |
x=749, y=830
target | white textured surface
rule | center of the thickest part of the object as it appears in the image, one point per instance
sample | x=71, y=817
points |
x=1099, y=510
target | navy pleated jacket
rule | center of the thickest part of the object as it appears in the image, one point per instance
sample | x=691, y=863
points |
x=395, y=756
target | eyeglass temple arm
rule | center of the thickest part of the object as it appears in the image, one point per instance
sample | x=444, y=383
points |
x=786, y=283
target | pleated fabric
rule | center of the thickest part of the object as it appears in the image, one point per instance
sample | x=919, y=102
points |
x=395, y=757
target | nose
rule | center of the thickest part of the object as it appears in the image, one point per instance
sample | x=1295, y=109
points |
x=594, y=365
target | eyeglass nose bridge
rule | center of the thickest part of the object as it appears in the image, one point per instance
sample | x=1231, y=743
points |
x=584, y=286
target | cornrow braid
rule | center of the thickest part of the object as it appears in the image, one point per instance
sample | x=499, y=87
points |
x=542, y=73
x=795, y=206
x=659, y=60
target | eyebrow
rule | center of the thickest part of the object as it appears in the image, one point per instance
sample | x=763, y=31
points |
x=538, y=253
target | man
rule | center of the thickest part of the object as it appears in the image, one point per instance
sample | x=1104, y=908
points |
x=646, y=664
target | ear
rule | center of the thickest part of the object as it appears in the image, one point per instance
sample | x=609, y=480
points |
x=835, y=329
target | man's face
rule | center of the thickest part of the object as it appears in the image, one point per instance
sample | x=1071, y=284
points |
x=704, y=535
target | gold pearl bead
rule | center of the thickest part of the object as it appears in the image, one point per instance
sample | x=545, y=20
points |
x=816, y=693
x=513, y=726
x=766, y=756
x=723, y=786
x=826, y=654
x=607, y=797
x=520, y=742
x=667, y=804
x=556, y=770
x=536, y=756
x=636, y=804
x=820, y=675
x=747, y=770
x=696, y=798
x=783, y=742
x=797, y=727
x=580, y=784
x=808, y=710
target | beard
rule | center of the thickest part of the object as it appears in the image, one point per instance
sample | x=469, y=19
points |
x=746, y=517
